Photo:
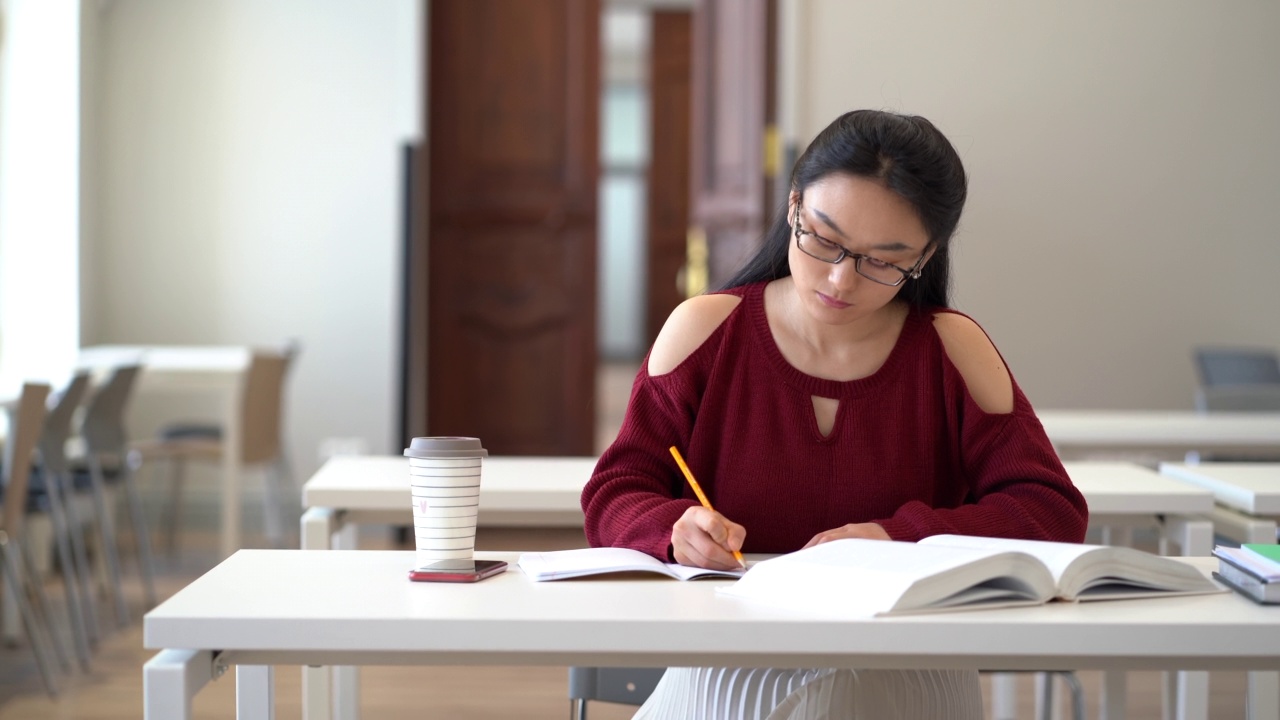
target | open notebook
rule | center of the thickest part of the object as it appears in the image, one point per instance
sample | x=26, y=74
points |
x=860, y=578
x=564, y=564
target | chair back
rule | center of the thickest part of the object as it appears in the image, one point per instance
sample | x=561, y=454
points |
x=1237, y=366
x=103, y=425
x=263, y=406
x=26, y=420
x=57, y=424
x=1238, y=398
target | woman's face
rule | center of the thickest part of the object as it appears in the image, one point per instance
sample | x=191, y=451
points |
x=861, y=216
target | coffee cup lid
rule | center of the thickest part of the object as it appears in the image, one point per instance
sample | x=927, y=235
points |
x=435, y=447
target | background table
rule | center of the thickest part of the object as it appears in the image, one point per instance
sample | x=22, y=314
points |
x=514, y=492
x=1081, y=431
x=220, y=370
x=1247, y=496
x=270, y=607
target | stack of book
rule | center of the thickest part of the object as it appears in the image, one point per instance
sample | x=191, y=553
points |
x=1253, y=569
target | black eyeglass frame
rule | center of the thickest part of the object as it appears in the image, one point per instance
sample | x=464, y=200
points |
x=913, y=273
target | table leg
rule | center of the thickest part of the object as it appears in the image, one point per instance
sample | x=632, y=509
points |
x=1195, y=537
x=171, y=679
x=346, y=678
x=1263, y=695
x=1114, y=693
x=318, y=525
x=232, y=442
x=255, y=692
x=1115, y=683
x=1004, y=691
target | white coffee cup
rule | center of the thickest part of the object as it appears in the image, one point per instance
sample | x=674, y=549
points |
x=444, y=491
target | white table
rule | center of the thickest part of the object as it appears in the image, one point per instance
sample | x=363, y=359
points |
x=514, y=492
x=1161, y=430
x=525, y=491
x=193, y=368
x=1247, y=496
x=285, y=607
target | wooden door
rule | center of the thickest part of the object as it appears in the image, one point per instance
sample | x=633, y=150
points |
x=668, y=187
x=511, y=226
x=732, y=66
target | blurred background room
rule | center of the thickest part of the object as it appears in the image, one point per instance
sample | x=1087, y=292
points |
x=470, y=217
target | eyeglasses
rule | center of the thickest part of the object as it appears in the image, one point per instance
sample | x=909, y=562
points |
x=820, y=248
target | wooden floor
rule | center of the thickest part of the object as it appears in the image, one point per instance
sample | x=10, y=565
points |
x=113, y=690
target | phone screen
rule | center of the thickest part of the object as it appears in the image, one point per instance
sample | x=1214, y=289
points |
x=452, y=572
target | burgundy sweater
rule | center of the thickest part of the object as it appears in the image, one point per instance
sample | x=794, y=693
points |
x=909, y=449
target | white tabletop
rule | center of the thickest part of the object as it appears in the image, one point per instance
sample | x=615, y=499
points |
x=1160, y=429
x=1253, y=488
x=1113, y=488
x=297, y=607
x=543, y=491
x=547, y=491
x=167, y=358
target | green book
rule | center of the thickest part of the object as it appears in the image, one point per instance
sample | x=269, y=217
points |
x=1269, y=552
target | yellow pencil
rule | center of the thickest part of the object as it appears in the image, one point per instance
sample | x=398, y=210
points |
x=697, y=490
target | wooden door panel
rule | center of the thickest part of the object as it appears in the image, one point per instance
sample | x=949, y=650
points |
x=730, y=63
x=512, y=222
x=668, y=181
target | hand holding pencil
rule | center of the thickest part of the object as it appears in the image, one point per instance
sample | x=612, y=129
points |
x=726, y=535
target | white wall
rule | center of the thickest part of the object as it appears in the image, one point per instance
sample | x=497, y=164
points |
x=247, y=191
x=1122, y=159
x=39, y=191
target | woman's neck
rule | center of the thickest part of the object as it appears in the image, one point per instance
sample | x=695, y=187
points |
x=837, y=351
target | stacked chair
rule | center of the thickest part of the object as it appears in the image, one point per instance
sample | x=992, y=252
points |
x=22, y=583
x=52, y=492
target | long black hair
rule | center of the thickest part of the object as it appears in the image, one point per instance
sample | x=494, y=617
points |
x=905, y=153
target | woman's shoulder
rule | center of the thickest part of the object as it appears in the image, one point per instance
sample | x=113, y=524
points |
x=976, y=358
x=688, y=327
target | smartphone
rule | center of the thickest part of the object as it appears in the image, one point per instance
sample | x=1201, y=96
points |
x=455, y=573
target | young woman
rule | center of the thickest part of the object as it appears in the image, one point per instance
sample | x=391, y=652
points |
x=825, y=392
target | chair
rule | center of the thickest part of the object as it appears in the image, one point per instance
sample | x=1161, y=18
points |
x=261, y=409
x=628, y=686
x=632, y=686
x=51, y=490
x=1220, y=366
x=1235, y=380
x=106, y=460
x=26, y=419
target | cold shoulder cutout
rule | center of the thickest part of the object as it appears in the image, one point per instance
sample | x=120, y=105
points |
x=977, y=360
x=688, y=326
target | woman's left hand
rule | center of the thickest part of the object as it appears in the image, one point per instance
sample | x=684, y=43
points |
x=871, y=531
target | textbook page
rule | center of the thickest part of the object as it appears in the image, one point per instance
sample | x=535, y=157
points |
x=863, y=578
x=1097, y=572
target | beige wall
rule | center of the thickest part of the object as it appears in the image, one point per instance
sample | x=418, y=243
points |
x=1124, y=195
x=246, y=191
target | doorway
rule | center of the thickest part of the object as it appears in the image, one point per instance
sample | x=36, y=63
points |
x=644, y=193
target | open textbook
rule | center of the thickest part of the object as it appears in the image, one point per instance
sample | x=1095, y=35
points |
x=862, y=578
x=564, y=564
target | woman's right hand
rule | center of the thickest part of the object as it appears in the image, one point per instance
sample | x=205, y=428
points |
x=705, y=538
